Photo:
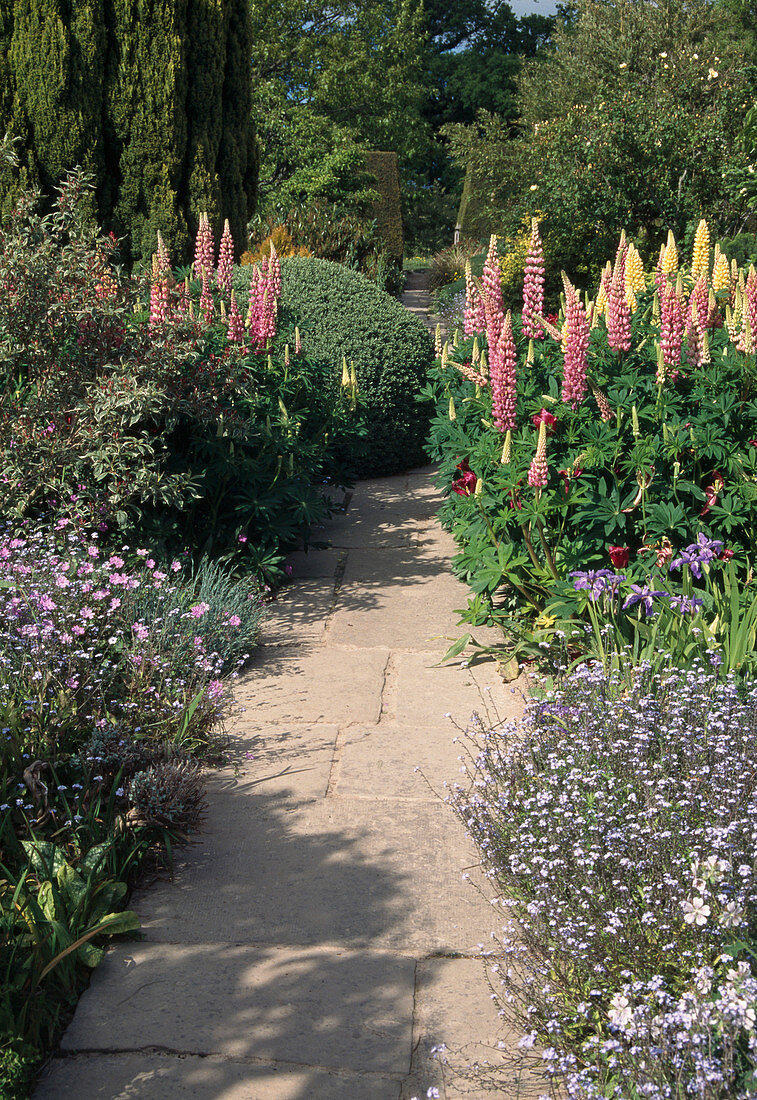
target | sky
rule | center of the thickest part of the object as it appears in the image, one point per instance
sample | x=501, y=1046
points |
x=531, y=7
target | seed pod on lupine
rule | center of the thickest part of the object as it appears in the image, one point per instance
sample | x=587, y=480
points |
x=533, y=285
x=538, y=471
x=700, y=260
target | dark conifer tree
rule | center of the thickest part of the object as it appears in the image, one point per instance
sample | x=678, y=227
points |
x=151, y=96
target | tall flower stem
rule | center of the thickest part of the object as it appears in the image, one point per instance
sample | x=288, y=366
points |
x=547, y=550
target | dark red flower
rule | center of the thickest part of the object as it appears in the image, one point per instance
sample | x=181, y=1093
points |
x=465, y=484
x=712, y=492
x=545, y=417
x=726, y=554
x=619, y=555
x=566, y=475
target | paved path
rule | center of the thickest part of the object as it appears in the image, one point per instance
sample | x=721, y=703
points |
x=318, y=940
x=416, y=298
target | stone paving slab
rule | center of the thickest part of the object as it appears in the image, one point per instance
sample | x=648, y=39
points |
x=288, y=761
x=354, y=531
x=299, y=614
x=332, y=1009
x=313, y=684
x=383, y=759
x=165, y=1077
x=313, y=563
x=453, y=1008
x=340, y=872
x=404, y=603
x=427, y=691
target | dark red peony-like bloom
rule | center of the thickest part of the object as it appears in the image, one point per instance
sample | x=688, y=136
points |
x=545, y=417
x=619, y=555
x=465, y=483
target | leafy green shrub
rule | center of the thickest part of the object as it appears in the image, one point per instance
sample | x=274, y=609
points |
x=162, y=432
x=342, y=314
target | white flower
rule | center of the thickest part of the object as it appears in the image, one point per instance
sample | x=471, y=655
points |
x=712, y=74
x=695, y=911
x=731, y=915
x=621, y=1012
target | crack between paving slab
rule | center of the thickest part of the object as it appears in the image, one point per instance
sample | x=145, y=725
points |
x=341, y=565
x=336, y=761
x=414, y=1028
x=248, y=1060
x=389, y=688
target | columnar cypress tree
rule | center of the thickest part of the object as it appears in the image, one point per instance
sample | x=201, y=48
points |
x=57, y=54
x=153, y=96
x=146, y=93
x=207, y=29
x=237, y=157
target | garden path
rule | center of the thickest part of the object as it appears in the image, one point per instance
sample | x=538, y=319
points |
x=318, y=940
x=416, y=298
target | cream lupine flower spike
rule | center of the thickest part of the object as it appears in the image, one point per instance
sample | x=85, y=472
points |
x=634, y=275
x=700, y=260
x=670, y=257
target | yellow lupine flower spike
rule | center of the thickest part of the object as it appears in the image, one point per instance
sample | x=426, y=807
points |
x=721, y=274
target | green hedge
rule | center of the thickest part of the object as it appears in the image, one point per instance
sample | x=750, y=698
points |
x=388, y=209
x=340, y=312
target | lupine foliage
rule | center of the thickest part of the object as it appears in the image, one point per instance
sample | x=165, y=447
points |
x=648, y=442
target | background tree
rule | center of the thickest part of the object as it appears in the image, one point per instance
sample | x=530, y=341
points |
x=629, y=121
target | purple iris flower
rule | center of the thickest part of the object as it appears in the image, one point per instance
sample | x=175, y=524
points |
x=686, y=605
x=697, y=554
x=645, y=594
x=597, y=581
